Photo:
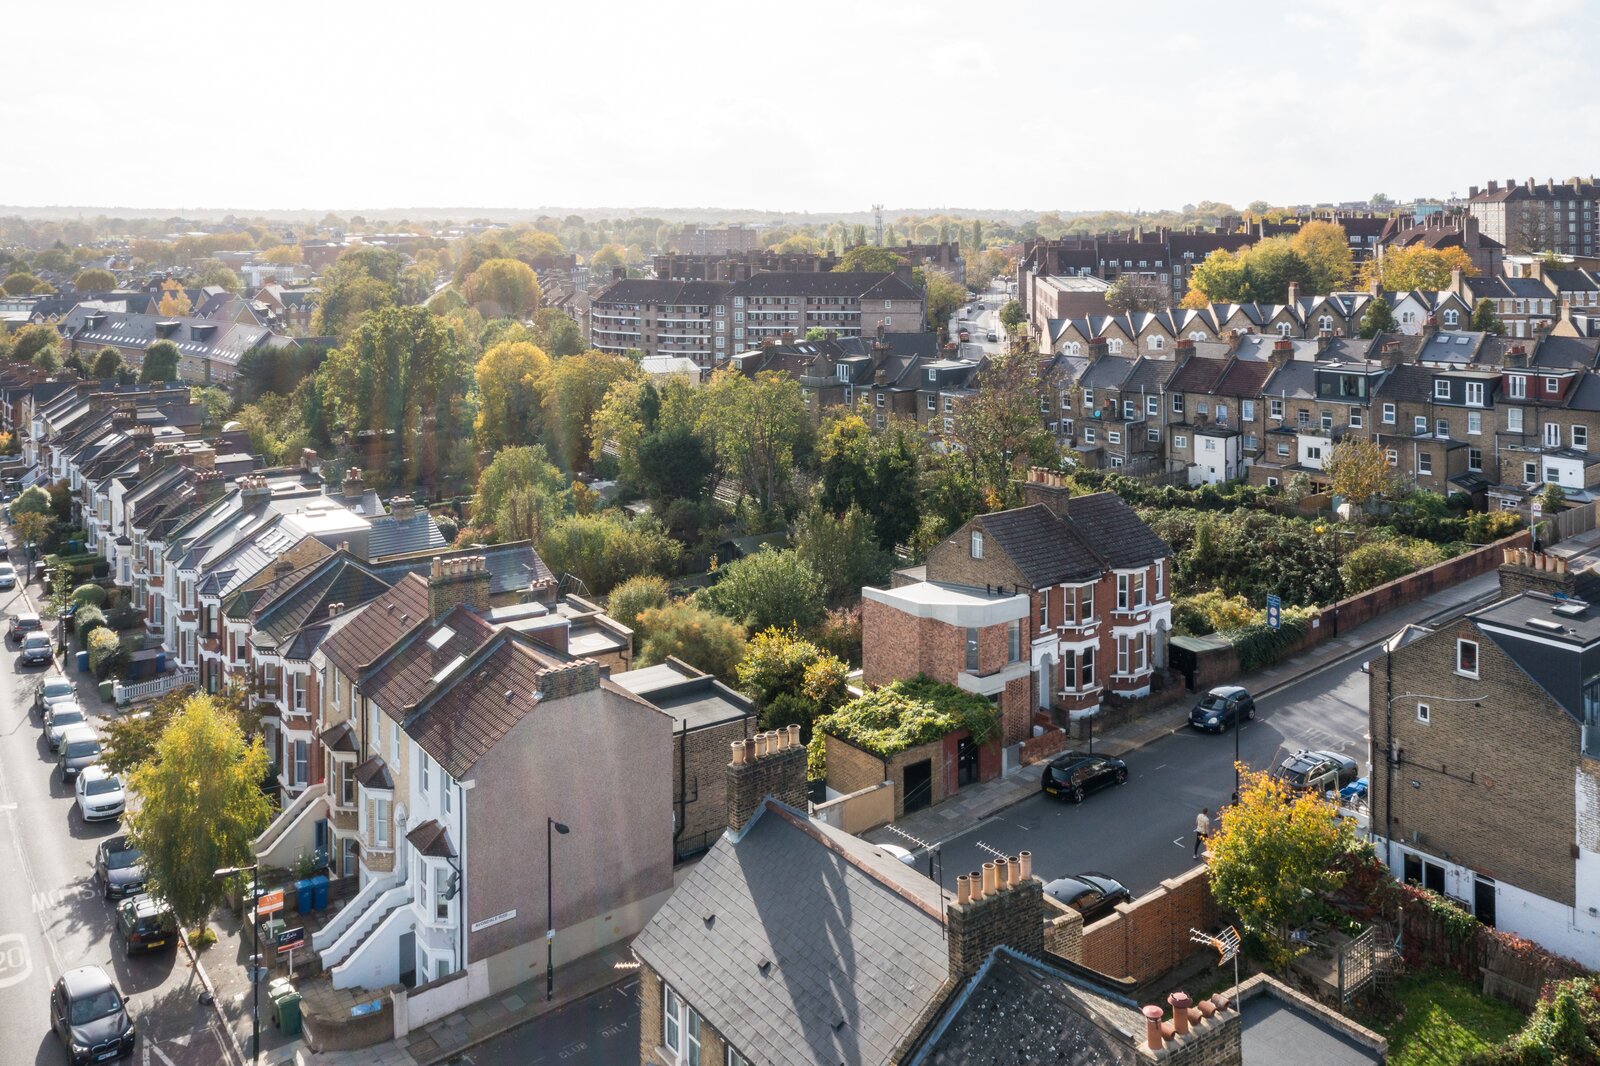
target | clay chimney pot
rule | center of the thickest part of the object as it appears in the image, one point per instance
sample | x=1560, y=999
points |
x=1206, y=1008
x=1154, y=1039
x=737, y=752
x=1025, y=859
x=1002, y=873
x=794, y=736
x=963, y=888
x=1180, y=1012
x=990, y=884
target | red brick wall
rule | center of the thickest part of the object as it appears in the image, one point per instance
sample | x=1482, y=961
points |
x=1050, y=743
x=1378, y=601
x=1151, y=935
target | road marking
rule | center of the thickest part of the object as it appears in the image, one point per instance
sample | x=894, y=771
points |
x=1178, y=841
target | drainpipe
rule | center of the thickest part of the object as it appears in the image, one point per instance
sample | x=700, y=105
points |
x=683, y=784
x=1388, y=760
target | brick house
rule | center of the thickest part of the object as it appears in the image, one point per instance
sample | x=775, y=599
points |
x=1491, y=789
x=730, y=972
x=1047, y=607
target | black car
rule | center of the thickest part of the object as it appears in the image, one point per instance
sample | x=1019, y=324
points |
x=1317, y=771
x=1077, y=773
x=119, y=867
x=1222, y=708
x=1092, y=895
x=146, y=924
x=90, y=1017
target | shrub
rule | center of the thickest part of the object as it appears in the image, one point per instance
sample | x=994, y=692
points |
x=1485, y=527
x=888, y=720
x=606, y=549
x=769, y=588
x=89, y=596
x=1377, y=562
x=700, y=638
x=125, y=617
x=84, y=623
x=635, y=596
x=105, y=652
x=1211, y=611
x=839, y=634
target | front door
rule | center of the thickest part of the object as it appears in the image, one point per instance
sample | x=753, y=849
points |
x=408, y=959
x=918, y=784
x=321, y=837
x=1483, y=893
x=347, y=864
x=966, y=762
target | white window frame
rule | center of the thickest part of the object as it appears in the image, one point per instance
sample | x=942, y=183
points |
x=1388, y=414
x=1425, y=464
x=975, y=544
x=1044, y=610
x=1517, y=386
x=1514, y=420
x=1474, y=393
x=1477, y=663
x=300, y=765
x=1474, y=423
x=1441, y=389
x=1580, y=438
x=1424, y=713
x=1275, y=407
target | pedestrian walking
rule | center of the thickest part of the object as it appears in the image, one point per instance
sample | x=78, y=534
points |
x=1202, y=829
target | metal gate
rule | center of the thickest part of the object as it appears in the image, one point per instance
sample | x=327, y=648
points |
x=1355, y=966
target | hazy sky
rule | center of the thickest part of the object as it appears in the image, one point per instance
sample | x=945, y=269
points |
x=803, y=105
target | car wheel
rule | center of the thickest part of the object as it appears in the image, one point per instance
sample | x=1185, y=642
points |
x=1250, y=713
x=1122, y=776
x=1076, y=795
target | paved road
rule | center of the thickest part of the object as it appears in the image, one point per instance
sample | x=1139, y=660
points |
x=51, y=917
x=602, y=1029
x=1143, y=831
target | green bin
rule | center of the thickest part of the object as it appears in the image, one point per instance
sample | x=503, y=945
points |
x=286, y=1013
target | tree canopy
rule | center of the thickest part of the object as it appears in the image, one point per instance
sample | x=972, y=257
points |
x=768, y=588
x=510, y=378
x=1416, y=267
x=503, y=287
x=160, y=362
x=94, y=280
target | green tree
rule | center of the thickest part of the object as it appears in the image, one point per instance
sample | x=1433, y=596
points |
x=1402, y=269
x=700, y=638
x=790, y=679
x=769, y=588
x=23, y=283
x=756, y=427
x=510, y=378
x=1378, y=318
x=999, y=429
x=221, y=276
x=604, y=550
x=634, y=597
x=33, y=528
x=107, y=364
x=674, y=464
x=160, y=362
x=526, y=465
x=1012, y=316
x=1325, y=248
x=346, y=299
x=575, y=389
x=1274, y=857
x=503, y=287
x=869, y=259
x=1359, y=470
x=1137, y=292
x=943, y=295
x=556, y=332
x=215, y=402
x=32, y=339
x=843, y=551
x=201, y=806
x=816, y=333
x=1484, y=319
x=607, y=259
x=94, y=280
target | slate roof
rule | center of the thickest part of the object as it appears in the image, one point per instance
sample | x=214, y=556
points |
x=362, y=640
x=1042, y=550
x=651, y=291
x=849, y=284
x=303, y=597
x=1198, y=374
x=1246, y=378
x=389, y=535
x=1566, y=353
x=513, y=567
x=374, y=774
x=1107, y=372
x=1019, y=1010
x=802, y=944
x=1108, y=524
x=340, y=737
x=1405, y=383
x=1296, y=378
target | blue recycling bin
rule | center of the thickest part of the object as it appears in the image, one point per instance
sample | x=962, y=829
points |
x=319, y=892
x=83, y=662
x=303, y=894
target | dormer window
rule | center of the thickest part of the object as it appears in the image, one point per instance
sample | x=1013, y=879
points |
x=1517, y=386
x=977, y=544
x=1552, y=384
x=1441, y=389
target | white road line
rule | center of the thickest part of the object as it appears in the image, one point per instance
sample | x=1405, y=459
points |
x=150, y=1045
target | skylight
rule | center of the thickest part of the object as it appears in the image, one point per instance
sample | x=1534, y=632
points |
x=448, y=670
x=441, y=637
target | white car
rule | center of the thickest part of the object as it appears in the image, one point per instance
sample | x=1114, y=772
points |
x=99, y=794
x=56, y=689
x=8, y=576
x=58, y=718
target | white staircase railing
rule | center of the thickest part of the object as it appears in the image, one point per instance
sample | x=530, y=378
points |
x=344, y=946
x=286, y=818
x=147, y=690
x=326, y=937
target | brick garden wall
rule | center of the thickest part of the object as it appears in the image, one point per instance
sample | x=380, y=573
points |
x=1050, y=743
x=1380, y=600
x=1150, y=936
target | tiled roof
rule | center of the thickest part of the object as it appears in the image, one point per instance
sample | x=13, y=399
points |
x=1244, y=378
x=340, y=737
x=1112, y=528
x=389, y=535
x=374, y=774
x=1198, y=374
x=513, y=567
x=421, y=659
x=800, y=944
x=650, y=291
x=484, y=699
x=304, y=596
x=829, y=284
x=1039, y=546
x=1566, y=353
x=362, y=640
x=431, y=839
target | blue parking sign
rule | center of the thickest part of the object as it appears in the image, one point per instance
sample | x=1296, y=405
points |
x=1274, y=609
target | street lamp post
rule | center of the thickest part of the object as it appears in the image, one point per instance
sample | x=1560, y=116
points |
x=255, y=951
x=551, y=827
x=1338, y=574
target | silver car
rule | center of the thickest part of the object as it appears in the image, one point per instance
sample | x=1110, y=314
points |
x=58, y=719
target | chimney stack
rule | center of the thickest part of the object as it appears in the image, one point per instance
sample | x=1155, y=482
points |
x=1282, y=351
x=462, y=580
x=1048, y=487
x=1098, y=347
x=768, y=764
x=353, y=487
x=403, y=508
x=1004, y=905
x=1294, y=294
x=1205, y=1032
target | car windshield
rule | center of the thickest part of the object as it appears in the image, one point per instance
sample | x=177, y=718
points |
x=58, y=686
x=101, y=785
x=95, y=1006
x=79, y=749
x=1214, y=702
x=36, y=640
x=121, y=860
x=66, y=716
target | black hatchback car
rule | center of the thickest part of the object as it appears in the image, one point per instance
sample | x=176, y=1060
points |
x=1077, y=773
x=1221, y=708
x=90, y=1017
x=1092, y=895
x=145, y=924
x=119, y=867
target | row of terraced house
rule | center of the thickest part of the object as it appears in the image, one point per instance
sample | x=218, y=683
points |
x=429, y=710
